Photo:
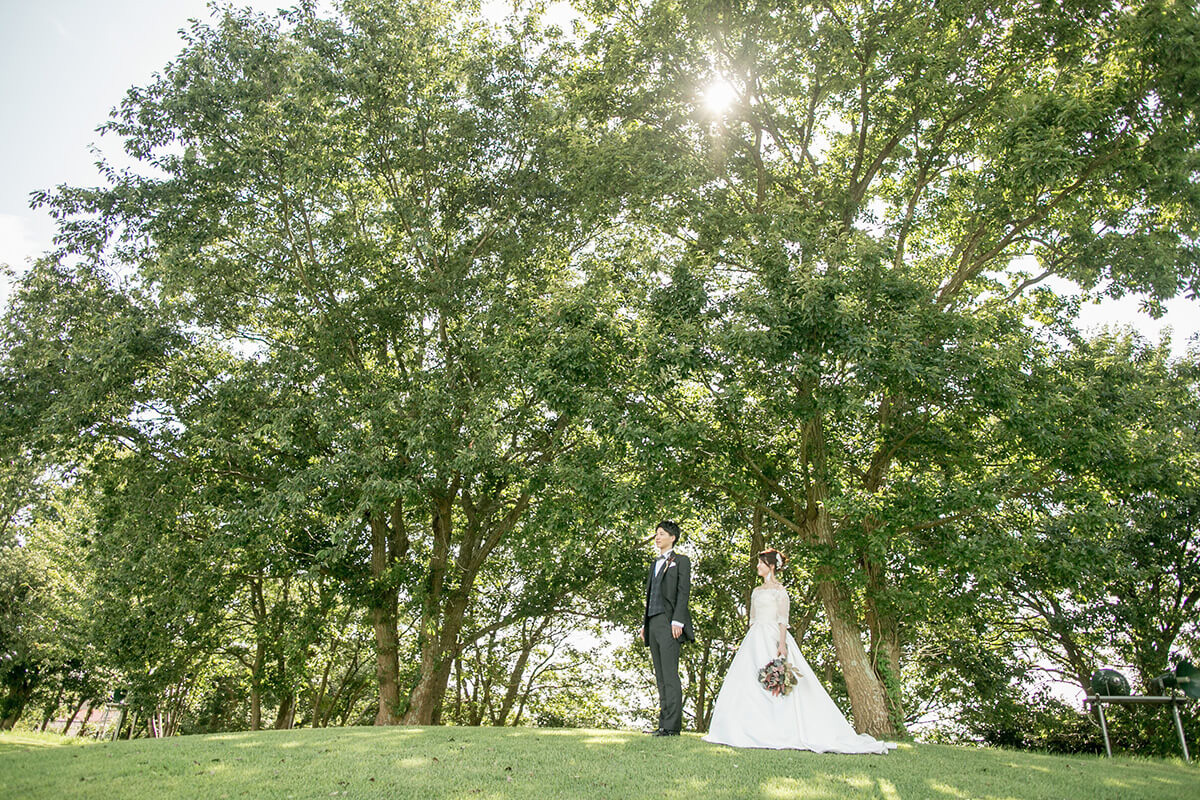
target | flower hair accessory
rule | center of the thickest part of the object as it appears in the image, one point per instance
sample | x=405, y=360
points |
x=772, y=558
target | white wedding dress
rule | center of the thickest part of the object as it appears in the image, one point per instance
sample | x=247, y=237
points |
x=747, y=715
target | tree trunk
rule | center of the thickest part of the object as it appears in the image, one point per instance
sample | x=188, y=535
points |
x=86, y=718
x=387, y=661
x=348, y=677
x=437, y=656
x=442, y=609
x=459, y=689
x=885, y=641
x=703, y=713
x=481, y=688
x=882, y=621
x=351, y=702
x=74, y=714
x=52, y=707
x=258, y=607
x=425, y=696
x=389, y=544
x=287, y=712
x=315, y=714
x=868, y=699
x=518, y=673
x=387, y=650
x=19, y=688
x=256, y=687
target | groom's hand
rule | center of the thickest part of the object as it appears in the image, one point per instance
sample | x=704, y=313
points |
x=676, y=629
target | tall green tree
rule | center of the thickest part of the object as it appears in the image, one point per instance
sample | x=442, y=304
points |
x=1103, y=565
x=394, y=214
x=1096, y=569
x=422, y=317
x=80, y=353
x=844, y=260
x=45, y=653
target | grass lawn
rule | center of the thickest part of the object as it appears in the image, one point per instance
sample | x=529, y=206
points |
x=471, y=763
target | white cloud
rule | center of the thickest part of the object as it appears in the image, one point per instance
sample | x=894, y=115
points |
x=1182, y=317
x=556, y=13
x=1182, y=314
x=61, y=29
x=22, y=238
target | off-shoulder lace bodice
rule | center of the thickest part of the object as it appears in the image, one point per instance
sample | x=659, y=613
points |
x=768, y=606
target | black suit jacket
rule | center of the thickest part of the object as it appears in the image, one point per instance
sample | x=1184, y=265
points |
x=676, y=580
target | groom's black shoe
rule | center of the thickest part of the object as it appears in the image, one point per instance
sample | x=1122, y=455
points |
x=661, y=732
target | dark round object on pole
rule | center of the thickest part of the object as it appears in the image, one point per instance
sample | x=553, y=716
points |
x=1109, y=682
x=1187, y=678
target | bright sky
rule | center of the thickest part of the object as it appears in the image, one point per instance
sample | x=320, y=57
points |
x=66, y=63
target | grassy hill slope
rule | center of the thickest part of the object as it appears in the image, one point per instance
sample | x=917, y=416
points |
x=497, y=763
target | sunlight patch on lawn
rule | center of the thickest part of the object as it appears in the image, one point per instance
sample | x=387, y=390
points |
x=31, y=741
x=791, y=788
x=370, y=731
x=888, y=790
x=589, y=737
x=604, y=740
x=27, y=741
x=693, y=787
x=477, y=794
x=945, y=789
x=722, y=751
x=1123, y=783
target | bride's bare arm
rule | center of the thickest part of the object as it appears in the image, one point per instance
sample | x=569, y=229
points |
x=784, y=609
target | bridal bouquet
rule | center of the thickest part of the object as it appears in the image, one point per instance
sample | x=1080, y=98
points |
x=778, y=676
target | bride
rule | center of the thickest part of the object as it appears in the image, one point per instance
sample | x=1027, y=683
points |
x=747, y=715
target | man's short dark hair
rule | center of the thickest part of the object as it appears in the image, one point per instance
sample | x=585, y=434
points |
x=671, y=528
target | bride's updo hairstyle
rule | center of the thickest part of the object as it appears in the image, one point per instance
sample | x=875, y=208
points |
x=773, y=558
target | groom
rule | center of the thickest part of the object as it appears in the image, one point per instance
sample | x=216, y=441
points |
x=667, y=624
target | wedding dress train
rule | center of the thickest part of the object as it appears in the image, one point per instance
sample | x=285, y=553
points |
x=747, y=715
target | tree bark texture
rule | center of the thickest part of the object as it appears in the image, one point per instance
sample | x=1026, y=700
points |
x=383, y=620
x=868, y=698
x=425, y=694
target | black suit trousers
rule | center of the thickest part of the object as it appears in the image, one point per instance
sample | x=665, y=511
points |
x=664, y=652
